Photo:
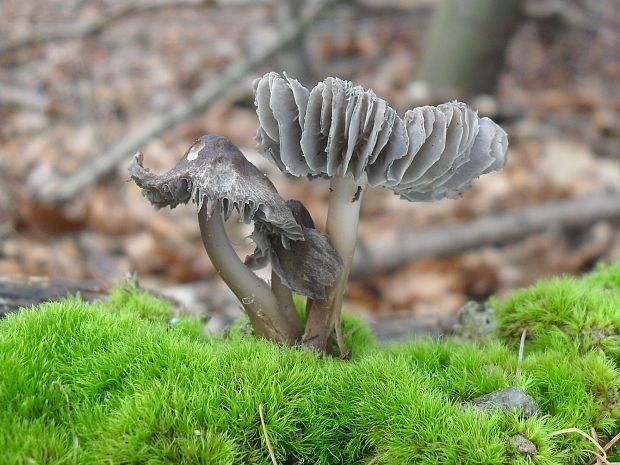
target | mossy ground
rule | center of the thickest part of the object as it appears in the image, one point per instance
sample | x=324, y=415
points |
x=145, y=391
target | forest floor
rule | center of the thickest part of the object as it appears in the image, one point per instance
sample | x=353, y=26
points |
x=62, y=103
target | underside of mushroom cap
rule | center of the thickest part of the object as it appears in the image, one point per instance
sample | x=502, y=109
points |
x=214, y=171
x=309, y=267
x=337, y=128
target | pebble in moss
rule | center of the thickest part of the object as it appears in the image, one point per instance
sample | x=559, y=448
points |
x=523, y=445
x=475, y=321
x=507, y=399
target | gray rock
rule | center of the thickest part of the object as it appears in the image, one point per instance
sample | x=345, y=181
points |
x=523, y=445
x=475, y=321
x=507, y=399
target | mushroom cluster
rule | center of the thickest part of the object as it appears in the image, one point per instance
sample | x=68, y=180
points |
x=214, y=174
x=337, y=131
x=349, y=135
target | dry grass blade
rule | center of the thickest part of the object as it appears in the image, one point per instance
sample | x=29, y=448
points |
x=612, y=442
x=267, y=440
x=606, y=447
x=603, y=454
x=521, y=349
x=76, y=442
x=374, y=460
x=351, y=331
x=598, y=458
x=340, y=340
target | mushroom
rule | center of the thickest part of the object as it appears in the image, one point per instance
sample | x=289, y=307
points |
x=215, y=175
x=349, y=135
x=307, y=267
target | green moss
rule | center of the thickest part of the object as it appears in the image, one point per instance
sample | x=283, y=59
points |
x=573, y=316
x=605, y=276
x=145, y=391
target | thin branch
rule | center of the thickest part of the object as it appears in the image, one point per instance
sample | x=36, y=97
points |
x=71, y=186
x=267, y=440
x=91, y=27
x=76, y=441
x=24, y=291
x=496, y=229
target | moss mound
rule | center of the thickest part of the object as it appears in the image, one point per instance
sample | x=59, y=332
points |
x=145, y=391
x=571, y=315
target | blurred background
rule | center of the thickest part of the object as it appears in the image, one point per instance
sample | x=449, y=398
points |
x=84, y=84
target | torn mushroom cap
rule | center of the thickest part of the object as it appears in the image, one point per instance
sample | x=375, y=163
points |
x=213, y=170
x=307, y=267
x=338, y=128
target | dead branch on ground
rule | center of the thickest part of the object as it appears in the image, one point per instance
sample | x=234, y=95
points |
x=65, y=189
x=500, y=228
x=79, y=30
x=23, y=291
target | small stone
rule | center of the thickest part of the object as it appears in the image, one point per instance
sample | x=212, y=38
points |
x=507, y=399
x=475, y=321
x=197, y=432
x=523, y=445
x=246, y=328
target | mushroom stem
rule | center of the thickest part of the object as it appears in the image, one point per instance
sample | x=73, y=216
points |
x=284, y=296
x=254, y=294
x=342, y=220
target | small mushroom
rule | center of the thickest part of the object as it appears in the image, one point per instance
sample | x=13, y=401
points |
x=349, y=135
x=215, y=175
x=307, y=267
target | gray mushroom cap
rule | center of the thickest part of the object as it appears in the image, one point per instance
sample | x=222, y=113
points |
x=214, y=171
x=338, y=128
x=307, y=267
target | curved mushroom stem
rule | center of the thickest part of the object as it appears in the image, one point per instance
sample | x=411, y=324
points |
x=254, y=294
x=342, y=220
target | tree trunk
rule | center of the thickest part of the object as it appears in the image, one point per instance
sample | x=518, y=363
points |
x=466, y=46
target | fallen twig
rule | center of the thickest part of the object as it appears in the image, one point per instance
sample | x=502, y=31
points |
x=65, y=189
x=24, y=291
x=91, y=27
x=76, y=441
x=267, y=440
x=500, y=228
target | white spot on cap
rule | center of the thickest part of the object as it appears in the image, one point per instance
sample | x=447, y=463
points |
x=193, y=151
